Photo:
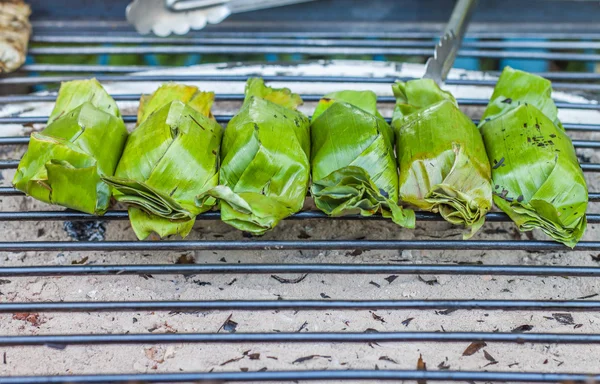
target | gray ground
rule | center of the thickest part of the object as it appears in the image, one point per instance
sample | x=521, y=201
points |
x=234, y=357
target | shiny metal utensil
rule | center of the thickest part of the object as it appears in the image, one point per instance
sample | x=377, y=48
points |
x=164, y=17
x=439, y=65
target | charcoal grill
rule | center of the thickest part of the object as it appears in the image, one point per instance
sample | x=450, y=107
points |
x=373, y=298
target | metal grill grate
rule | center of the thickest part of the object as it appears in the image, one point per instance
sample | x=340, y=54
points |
x=414, y=43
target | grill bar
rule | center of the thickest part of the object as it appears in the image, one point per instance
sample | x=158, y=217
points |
x=267, y=245
x=312, y=50
x=489, y=32
x=346, y=337
x=592, y=218
x=326, y=375
x=319, y=42
x=242, y=78
x=87, y=68
x=269, y=305
x=194, y=269
x=240, y=97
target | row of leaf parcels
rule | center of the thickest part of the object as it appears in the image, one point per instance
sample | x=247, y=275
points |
x=178, y=162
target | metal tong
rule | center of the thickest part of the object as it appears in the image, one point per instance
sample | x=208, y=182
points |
x=438, y=66
x=164, y=17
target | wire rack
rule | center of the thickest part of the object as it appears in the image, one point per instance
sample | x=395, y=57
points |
x=414, y=41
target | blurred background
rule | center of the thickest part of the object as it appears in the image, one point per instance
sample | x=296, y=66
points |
x=537, y=36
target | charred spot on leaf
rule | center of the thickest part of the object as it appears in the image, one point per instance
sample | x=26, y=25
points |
x=498, y=163
x=507, y=101
x=256, y=128
x=524, y=125
x=520, y=198
x=173, y=191
x=384, y=193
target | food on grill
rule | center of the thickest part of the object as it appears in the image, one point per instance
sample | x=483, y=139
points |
x=169, y=159
x=14, y=34
x=353, y=163
x=443, y=164
x=536, y=177
x=265, y=165
x=83, y=141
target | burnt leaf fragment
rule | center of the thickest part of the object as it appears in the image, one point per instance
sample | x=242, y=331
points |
x=387, y=358
x=306, y=358
x=522, y=328
x=474, y=347
x=283, y=280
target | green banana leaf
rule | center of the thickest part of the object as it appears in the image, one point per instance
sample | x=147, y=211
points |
x=443, y=163
x=82, y=143
x=265, y=164
x=536, y=176
x=169, y=159
x=353, y=164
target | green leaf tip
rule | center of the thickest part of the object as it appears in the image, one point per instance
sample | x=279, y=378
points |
x=255, y=87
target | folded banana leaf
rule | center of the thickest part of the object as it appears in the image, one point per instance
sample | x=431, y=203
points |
x=265, y=164
x=169, y=159
x=353, y=163
x=535, y=173
x=82, y=143
x=443, y=163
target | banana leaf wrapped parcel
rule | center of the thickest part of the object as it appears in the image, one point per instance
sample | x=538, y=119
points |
x=536, y=176
x=265, y=166
x=443, y=163
x=170, y=158
x=353, y=162
x=82, y=143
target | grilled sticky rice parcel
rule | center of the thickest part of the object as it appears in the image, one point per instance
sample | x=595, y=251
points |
x=14, y=34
